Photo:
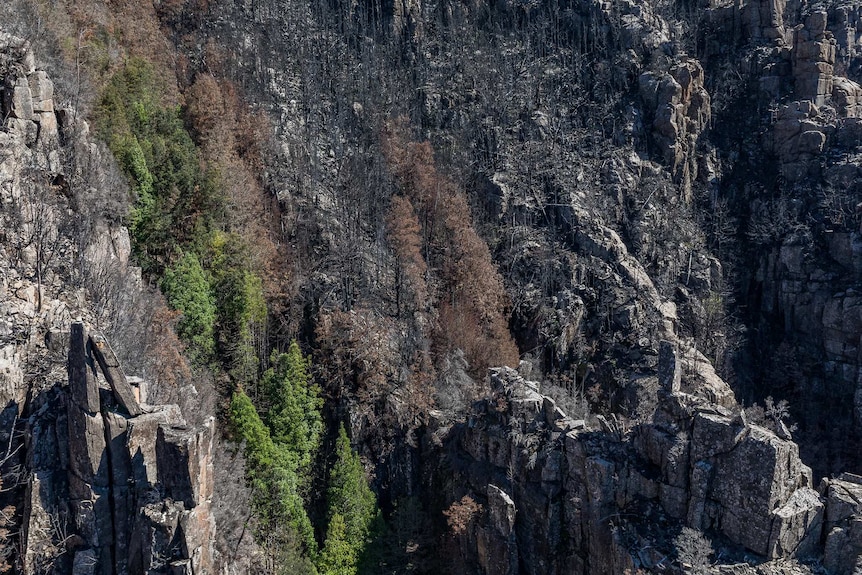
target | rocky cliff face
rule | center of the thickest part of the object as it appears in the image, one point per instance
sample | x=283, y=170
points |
x=647, y=174
x=132, y=482
x=671, y=193
x=802, y=282
x=102, y=482
x=562, y=496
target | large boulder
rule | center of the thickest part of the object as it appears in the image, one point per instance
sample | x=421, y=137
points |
x=843, y=527
x=18, y=102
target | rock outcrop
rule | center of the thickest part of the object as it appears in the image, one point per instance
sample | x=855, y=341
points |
x=580, y=498
x=813, y=59
x=680, y=106
x=843, y=524
x=139, y=480
x=103, y=482
x=800, y=137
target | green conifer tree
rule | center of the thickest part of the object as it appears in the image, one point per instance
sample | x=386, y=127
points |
x=187, y=287
x=294, y=403
x=350, y=497
x=339, y=555
x=271, y=470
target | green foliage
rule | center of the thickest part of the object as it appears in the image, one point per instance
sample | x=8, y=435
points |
x=281, y=503
x=240, y=302
x=248, y=427
x=271, y=471
x=339, y=555
x=187, y=287
x=159, y=157
x=294, y=403
x=351, y=501
x=281, y=446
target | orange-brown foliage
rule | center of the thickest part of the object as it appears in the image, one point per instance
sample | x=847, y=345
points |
x=461, y=514
x=360, y=353
x=405, y=239
x=230, y=137
x=207, y=109
x=474, y=304
x=163, y=345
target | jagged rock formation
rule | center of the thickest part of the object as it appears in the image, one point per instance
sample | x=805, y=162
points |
x=804, y=60
x=139, y=480
x=680, y=105
x=563, y=496
x=813, y=59
x=591, y=175
x=843, y=523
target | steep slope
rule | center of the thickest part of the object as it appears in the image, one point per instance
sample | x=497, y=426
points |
x=654, y=202
x=99, y=482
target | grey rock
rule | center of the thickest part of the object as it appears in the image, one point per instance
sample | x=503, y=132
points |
x=847, y=97
x=41, y=91
x=681, y=108
x=143, y=431
x=760, y=474
x=153, y=534
x=87, y=456
x=18, y=101
x=502, y=510
x=715, y=435
x=114, y=374
x=843, y=526
x=199, y=534
x=182, y=567
x=796, y=525
x=843, y=553
x=701, y=475
x=117, y=437
x=92, y=509
x=28, y=129
x=85, y=563
x=83, y=389
x=185, y=462
x=669, y=369
x=813, y=61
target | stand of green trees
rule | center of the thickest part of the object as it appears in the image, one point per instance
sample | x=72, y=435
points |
x=280, y=448
x=181, y=238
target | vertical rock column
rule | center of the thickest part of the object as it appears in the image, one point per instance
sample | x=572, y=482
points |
x=185, y=470
x=497, y=543
x=89, y=468
x=680, y=106
x=813, y=59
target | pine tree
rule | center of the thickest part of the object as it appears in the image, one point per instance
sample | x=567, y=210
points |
x=271, y=470
x=349, y=494
x=294, y=403
x=339, y=555
x=241, y=305
x=250, y=429
x=352, y=503
x=187, y=288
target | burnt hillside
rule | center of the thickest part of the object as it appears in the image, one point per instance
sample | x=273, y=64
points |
x=555, y=287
